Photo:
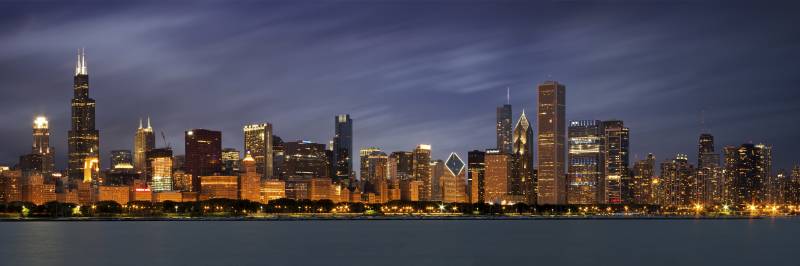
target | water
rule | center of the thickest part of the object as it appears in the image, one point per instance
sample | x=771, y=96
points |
x=486, y=242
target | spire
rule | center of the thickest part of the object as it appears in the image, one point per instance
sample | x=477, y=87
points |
x=148, y=122
x=140, y=123
x=80, y=65
x=508, y=95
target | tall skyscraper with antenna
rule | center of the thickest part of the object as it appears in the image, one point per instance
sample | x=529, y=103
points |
x=143, y=142
x=83, y=139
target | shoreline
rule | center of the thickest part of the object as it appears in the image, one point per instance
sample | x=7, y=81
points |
x=289, y=217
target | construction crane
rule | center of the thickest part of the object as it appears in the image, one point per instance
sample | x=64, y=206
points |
x=165, y=140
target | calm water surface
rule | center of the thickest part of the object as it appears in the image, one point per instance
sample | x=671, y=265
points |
x=489, y=242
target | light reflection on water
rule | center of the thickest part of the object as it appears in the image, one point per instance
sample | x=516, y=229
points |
x=486, y=242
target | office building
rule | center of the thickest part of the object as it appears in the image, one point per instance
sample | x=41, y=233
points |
x=552, y=133
x=586, y=164
x=250, y=180
x=83, y=140
x=709, y=172
x=523, y=181
x=747, y=168
x=41, y=144
x=504, y=135
x=231, y=161
x=306, y=159
x=258, y=143
x=219, y=187
x=677, y=180
x=203, y=154
x=454, y=180
x=497, y=175
x=643, y=176
x=617, y=176
x=343, y=147
x=143, y=141
x=421, y=171
x=476, y=164
x=159, y=169
x=121, y=159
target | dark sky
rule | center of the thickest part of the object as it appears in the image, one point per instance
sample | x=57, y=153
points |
x=408, y=72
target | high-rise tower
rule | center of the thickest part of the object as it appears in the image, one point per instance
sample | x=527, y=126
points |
x=523, y=181
x=504, y=119
x=709, y=171
x=552, y=142
x=41, y=143
x=83, y=139
x=586, y=162
x=143, y=141
x=617, y=177
x=258, y=143
x=343, y=147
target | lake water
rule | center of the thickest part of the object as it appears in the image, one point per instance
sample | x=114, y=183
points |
x=426, y=242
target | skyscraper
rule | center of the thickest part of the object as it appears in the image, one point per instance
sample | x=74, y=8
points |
x=401, y=164
x=497, y=175
x=421, y=171
x=747, y=168
x=454, y=180
x=258, y=143
x=504, y=120
x=551, y=143
x=523, y=181
x=709, y=172
x=83, y=140
x=586, y=162
x=159, y=169
x=203, y=154
x=677, y=177
x=343, y=147
x=143, y=141
x=250, y=180
x=305, y=159
x=231, y=161
x=121, y=159
x=617, y=176
x=41, y=143
x=643, y=176
x=476, y=161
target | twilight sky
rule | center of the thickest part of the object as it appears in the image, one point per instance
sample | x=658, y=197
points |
x=408, y=72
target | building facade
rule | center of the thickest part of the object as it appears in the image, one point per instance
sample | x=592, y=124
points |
x=421, y=171
x=83, y=139
x=343, y=147
x=551, y=142
x=143, y=141
x=523, y=182
x=585, y=176
x=203, y=154
x=258, y=143
x=504, y=134
x=41, y=143
x=617, y=176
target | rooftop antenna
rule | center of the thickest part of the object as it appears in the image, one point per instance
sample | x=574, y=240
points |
x=508, y=95
x=165, y=140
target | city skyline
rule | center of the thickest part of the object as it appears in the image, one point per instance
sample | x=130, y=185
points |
x=663, y=128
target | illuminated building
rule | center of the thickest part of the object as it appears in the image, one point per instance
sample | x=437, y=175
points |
x=476, y=165
x=189, y=196
x=793, y=187
x=203, y=154
x=454, y=180
x=342, y=147
x=162, y=196
x=159, y=169
x=504, y=120
x=410, y=190
x=436, y=173
x=297, y=188
x=143, y=141
x=401, y=165
x=230, y=161
x=68, y=196
x=250, y=180
x=121, y=159
x=747, y=169
x=41, y=143
x=219, y=187
x=676, y=182
x=140, y=192
x=91, y=170
x=31, y=164
x=551, y=144
x=33, y=189
x=497, y=175
x=709, y=172
x=181, y=180
x=421, y=170
x=319, y=188
x=258, y=143
x=305, y=159
x=375, y=171
x=617, y=176
x=118, y=194
x=364, y=158
x=272, y=189
x=83, y=139
x=585, y=162
x=643, y=176
x=277, y=157
x=523, y=181
x=86, y=193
